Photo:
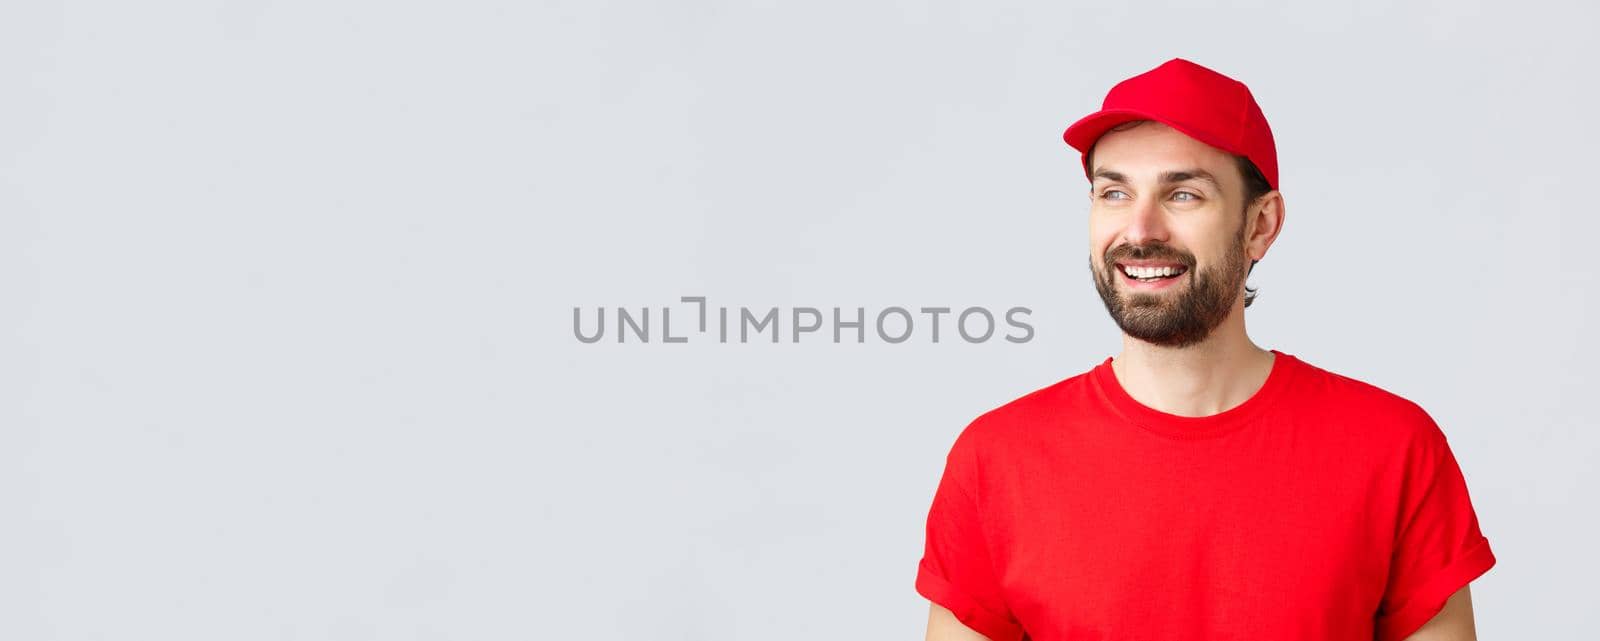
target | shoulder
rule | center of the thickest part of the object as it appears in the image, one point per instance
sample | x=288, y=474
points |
x=1357, y=404
x=1014, y=422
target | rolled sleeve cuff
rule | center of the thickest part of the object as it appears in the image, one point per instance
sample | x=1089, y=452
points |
x=967, y=609
x=1428, y=600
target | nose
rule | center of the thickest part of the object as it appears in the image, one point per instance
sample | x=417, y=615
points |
x=1146, y=223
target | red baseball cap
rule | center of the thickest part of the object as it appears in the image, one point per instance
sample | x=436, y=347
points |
x=1201, y=103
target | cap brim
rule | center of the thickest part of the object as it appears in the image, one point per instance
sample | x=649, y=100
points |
x=1082, y=134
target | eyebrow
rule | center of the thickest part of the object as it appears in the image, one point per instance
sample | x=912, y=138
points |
x=1166, y=177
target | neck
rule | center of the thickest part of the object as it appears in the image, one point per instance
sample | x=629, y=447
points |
x=1202, y=379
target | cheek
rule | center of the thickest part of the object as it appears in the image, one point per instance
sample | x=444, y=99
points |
x=1097, y=252
x=1100, y=240
x=1105, y=227
x=1098, y=248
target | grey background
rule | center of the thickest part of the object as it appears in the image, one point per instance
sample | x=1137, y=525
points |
x=288, y=291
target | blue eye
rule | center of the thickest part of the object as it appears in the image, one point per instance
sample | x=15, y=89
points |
x=1191, y=196
x=1107, y=194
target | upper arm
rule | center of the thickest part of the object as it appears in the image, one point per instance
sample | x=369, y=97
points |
x=957, y=571
x=944, y=626
x=1438, y=547
x=1452, y=623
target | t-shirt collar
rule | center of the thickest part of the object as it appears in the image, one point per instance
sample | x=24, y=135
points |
x=1194, y=427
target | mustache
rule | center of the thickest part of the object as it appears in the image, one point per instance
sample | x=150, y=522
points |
x=1147, y=252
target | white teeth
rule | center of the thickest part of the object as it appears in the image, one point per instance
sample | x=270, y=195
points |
x=1149, y=272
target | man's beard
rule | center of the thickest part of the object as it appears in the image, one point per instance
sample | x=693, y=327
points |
x=1183, y=316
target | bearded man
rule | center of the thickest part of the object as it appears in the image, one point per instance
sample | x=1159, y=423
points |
x=1196, y=485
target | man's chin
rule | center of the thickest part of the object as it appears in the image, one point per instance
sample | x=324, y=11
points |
x=1145, y=300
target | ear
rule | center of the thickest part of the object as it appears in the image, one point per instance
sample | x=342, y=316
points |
x=1263, y=221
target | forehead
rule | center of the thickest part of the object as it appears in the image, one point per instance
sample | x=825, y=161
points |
x=1146, y=151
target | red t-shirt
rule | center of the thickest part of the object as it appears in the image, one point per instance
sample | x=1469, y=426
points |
x=1322, y=508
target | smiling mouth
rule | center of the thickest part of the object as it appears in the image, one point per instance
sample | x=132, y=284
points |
x=1152, y=274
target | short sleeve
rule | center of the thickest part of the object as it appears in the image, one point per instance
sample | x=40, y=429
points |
x=957, y=570
x=1438, y=548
